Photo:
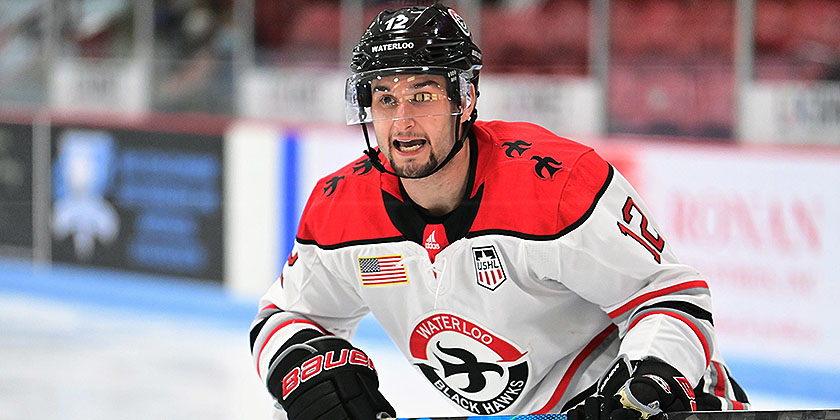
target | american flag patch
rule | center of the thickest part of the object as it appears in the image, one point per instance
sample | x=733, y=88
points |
x=378, y=271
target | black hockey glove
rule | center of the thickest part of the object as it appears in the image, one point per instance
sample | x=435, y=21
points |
x=655, y=387
x=326, y=378
x=624, y=393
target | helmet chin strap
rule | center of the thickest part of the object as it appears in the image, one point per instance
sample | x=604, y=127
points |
x=373, y=154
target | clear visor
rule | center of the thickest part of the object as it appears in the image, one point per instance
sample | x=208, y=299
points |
x=406, y=93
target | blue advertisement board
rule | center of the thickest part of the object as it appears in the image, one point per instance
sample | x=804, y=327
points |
x=138, y=200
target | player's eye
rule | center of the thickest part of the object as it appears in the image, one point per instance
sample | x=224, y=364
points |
x=422, y=97
x=387, y=101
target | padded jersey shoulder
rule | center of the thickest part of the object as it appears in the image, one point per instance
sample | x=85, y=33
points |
x=345, y=207
x=535, y=183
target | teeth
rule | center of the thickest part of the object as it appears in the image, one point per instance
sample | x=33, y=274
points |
x=409, y=146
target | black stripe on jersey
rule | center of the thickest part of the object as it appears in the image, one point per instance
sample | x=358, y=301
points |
x=265, y=315
x=351, y=243
x=686, y=307
x=256, y=331
x=563, y=232
x=740, y=395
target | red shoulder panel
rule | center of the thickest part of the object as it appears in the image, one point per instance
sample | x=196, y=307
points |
x=535, y=182
x=346, y=206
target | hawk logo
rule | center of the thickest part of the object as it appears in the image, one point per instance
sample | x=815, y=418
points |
x=332, y=183
x=364, y=165
x=518, y=146
x=489, y=272
x=546, y=164
x=476, y=381
x=469, y=364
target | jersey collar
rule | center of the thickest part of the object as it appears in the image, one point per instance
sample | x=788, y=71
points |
x=411, y=219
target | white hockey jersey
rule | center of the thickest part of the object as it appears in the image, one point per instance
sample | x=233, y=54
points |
x=516, y=301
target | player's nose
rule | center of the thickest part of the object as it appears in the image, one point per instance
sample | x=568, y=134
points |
x=403, y=118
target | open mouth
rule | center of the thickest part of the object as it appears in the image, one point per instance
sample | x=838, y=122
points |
x=409, y=145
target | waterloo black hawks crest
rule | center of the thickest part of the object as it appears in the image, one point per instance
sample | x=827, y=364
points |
x=469, y=364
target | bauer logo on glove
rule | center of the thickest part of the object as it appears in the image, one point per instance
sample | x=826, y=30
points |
x=327, y=378
x=320, y=363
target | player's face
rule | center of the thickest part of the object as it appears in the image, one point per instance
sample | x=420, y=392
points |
x=413, y=122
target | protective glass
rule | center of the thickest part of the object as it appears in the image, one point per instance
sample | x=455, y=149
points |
x=408, y=92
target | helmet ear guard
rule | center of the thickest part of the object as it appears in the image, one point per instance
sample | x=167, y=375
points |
x=465, y=80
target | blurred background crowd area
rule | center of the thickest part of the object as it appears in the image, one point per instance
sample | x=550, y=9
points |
x=671, y=67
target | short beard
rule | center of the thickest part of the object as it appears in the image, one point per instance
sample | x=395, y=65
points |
x=417, y=171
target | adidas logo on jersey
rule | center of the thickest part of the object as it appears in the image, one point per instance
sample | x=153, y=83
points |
x=431, y=243
x=435, y=241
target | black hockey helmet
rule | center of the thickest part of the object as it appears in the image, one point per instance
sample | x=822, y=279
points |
x=418, y=39
x=440, y=37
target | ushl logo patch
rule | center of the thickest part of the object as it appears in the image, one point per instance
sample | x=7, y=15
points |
x=489, y=272
x=474, y=367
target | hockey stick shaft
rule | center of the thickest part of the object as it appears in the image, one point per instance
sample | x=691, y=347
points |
x=688, y=415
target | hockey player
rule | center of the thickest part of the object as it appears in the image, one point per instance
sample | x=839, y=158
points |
x=517, y=270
